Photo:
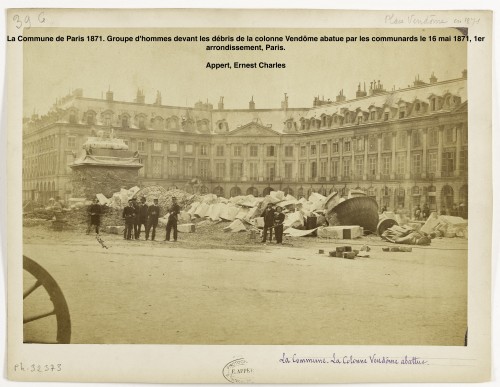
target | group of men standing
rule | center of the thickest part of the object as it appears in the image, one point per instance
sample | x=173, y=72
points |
x=138, y=214
x=273, y=220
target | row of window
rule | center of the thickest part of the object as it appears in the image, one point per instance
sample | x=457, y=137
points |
x=356, y=144
x=43, y=165
x=41, y=145
x=379, y=114
x=339, y=168
x=140, y=121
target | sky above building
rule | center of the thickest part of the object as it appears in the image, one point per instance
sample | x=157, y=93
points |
x=179, y=69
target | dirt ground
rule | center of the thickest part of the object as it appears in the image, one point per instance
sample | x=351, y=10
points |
x=213, y=287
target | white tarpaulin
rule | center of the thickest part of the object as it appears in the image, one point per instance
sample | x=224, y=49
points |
x=193, y=207
x=294, y=219
x=228, y=212
x=236, y=226
x=242, y=213
x=132, y=191
x=202, y=210
x=102, y=199
x=293, y=232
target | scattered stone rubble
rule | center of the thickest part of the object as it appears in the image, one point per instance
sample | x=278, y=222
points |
x=243, y=213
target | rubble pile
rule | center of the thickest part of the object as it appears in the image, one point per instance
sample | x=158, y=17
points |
x=445, y=226
x=327, y=217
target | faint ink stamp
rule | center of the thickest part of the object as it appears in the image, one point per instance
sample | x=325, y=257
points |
x=238, y=371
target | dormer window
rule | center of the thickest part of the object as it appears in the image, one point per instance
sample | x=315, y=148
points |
x=125, y=121
x=142, y=122
x=91, y=118
x=72, y=117
x=372, y=115
x=386, y=116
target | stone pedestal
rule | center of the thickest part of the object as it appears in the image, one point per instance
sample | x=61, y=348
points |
x=89, y=180
x=105, y=166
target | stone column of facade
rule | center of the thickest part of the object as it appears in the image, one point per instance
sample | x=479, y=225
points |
x=318, y=150
x=227, y=172
x=196, y=167
x=149, y=170
x=379, y=155
x=408, y=155
x=244, y=169
x=307, y=168
x=393, y=159
x=440, y=152
x=341, y=158
x=424, y=153
x=365, y=161
x=353, y=165
x=329, y=159
x=457, y=151
x=165, y=160
x=262, y=151
x=297, y=163
x=278, y=162
x=180, y=165
x=211, y=167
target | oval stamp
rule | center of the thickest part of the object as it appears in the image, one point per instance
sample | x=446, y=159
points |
x=238, y=371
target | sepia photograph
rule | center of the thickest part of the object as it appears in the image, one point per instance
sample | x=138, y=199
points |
x=179, y=199
x=293, y=188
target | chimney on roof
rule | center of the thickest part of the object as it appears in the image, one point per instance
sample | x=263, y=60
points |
x=340, y=97
x=158, y=98
x=251, y=104
x=221, y=103
x=109, y=95
x=433, y=78
x=464, y=74
x=284, y=104
x=417, y=81
x=360, y=93
x=140, y=97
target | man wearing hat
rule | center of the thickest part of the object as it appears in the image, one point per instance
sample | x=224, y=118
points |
x=141, y=217
x=172, y=219
x=268, y=216
x=94, y=212
x=279, y=218
x=129, y=216
x=153, y=215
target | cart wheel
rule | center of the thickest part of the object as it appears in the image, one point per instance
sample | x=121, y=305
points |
x=59, y=306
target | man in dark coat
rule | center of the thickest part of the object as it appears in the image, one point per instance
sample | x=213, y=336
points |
x=129, y=216
x=136, y=219
x=172, y=219
x=279, y=218
x=425, y=212
x=268, y=216
x=153, y=215
x=141, y=217
x=94, y=212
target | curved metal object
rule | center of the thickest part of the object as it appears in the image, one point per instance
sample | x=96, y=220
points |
x=359, y=211
x=384, y=224
x=60, y=311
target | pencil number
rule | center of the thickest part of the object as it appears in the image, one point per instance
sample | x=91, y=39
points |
x=26, y=21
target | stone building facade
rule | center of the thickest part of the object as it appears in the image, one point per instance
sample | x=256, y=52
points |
x=403, y=147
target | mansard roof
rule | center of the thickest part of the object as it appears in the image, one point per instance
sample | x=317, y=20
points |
x=457, y=87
